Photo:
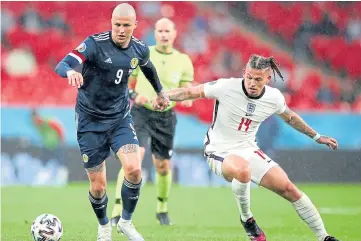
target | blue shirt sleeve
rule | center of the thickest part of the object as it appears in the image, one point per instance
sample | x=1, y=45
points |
x=86, y=51
x=151, y=74
x=145, y=55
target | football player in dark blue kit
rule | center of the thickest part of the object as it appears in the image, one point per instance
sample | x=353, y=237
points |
x=102, y=112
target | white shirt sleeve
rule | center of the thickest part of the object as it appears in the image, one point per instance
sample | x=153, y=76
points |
x=281, y=103
x=215, y=89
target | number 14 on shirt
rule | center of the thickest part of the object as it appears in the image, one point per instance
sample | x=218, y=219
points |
x=244, y=123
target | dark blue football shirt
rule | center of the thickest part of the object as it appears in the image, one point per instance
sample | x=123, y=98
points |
x=106, y=68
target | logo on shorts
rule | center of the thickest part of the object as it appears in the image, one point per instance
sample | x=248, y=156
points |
x=134, y=63
x=85, y=158
x=81, y=48
x=251, y=108
x=132, y=127
x=133, y=130
x=170, y=152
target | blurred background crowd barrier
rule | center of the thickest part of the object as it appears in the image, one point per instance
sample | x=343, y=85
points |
x=317, y=44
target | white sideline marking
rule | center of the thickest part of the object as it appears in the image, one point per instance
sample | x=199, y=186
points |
x=340, y=211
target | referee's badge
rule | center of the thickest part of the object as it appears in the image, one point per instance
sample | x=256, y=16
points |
x=134, y=63
x=251, y=107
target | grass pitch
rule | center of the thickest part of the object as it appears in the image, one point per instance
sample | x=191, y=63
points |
x=197, y=213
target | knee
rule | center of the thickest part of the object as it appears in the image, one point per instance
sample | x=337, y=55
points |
x=243, y=174
x=133, y=173
x=97, y=188
x=290, y=192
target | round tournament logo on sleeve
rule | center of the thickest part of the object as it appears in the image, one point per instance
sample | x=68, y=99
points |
x=85, y=158
x=81, y=48
x=134, y=63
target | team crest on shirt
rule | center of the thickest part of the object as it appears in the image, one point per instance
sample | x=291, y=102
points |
x=251, y=108
x=81, y=48
x=134, y=63
x=85, y=158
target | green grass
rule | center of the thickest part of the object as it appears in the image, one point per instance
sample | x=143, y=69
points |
x=197, y=213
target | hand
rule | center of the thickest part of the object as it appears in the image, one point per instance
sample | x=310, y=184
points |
x=329, y=141
x=187, y=103
x=161, y=102
x=75, y=78
x=140, y=100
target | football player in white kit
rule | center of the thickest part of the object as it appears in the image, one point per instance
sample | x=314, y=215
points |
x=230, y=147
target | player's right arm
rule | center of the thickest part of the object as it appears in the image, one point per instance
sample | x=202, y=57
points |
x=65, y=68
x=190, y=93
x=210, y=90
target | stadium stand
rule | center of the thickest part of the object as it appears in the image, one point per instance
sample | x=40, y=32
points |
x=38, y=34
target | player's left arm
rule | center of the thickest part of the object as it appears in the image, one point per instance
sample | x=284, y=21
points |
x=149, y=71
x=294, y=120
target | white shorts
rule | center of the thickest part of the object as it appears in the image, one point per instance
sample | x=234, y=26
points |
x=259, y=162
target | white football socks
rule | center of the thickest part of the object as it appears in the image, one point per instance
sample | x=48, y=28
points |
x=309, y=214
x=242, y=194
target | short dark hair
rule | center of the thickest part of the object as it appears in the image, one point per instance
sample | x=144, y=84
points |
x=260, y=62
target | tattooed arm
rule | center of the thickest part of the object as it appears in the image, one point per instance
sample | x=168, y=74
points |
x=294, y=120
x=186, y=103
x=189, y=93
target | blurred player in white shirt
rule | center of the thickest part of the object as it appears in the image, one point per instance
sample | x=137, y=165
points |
x=242, y=104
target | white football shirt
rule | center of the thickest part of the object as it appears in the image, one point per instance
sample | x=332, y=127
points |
x=237, y=116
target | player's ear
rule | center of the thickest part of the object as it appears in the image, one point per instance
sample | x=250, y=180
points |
x=268, y=79
x=135, y=24
x=175, y=33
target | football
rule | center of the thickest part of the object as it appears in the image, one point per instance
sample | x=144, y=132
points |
x=47, y=227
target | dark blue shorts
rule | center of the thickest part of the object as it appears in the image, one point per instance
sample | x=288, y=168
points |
x=96, y=138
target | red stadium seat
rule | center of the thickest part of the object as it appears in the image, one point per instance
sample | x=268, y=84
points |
x=204, y=109
x=335, y=53
x=319, y=45
x=353, y=60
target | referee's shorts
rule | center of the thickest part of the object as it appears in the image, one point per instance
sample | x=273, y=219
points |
x=156, y=127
